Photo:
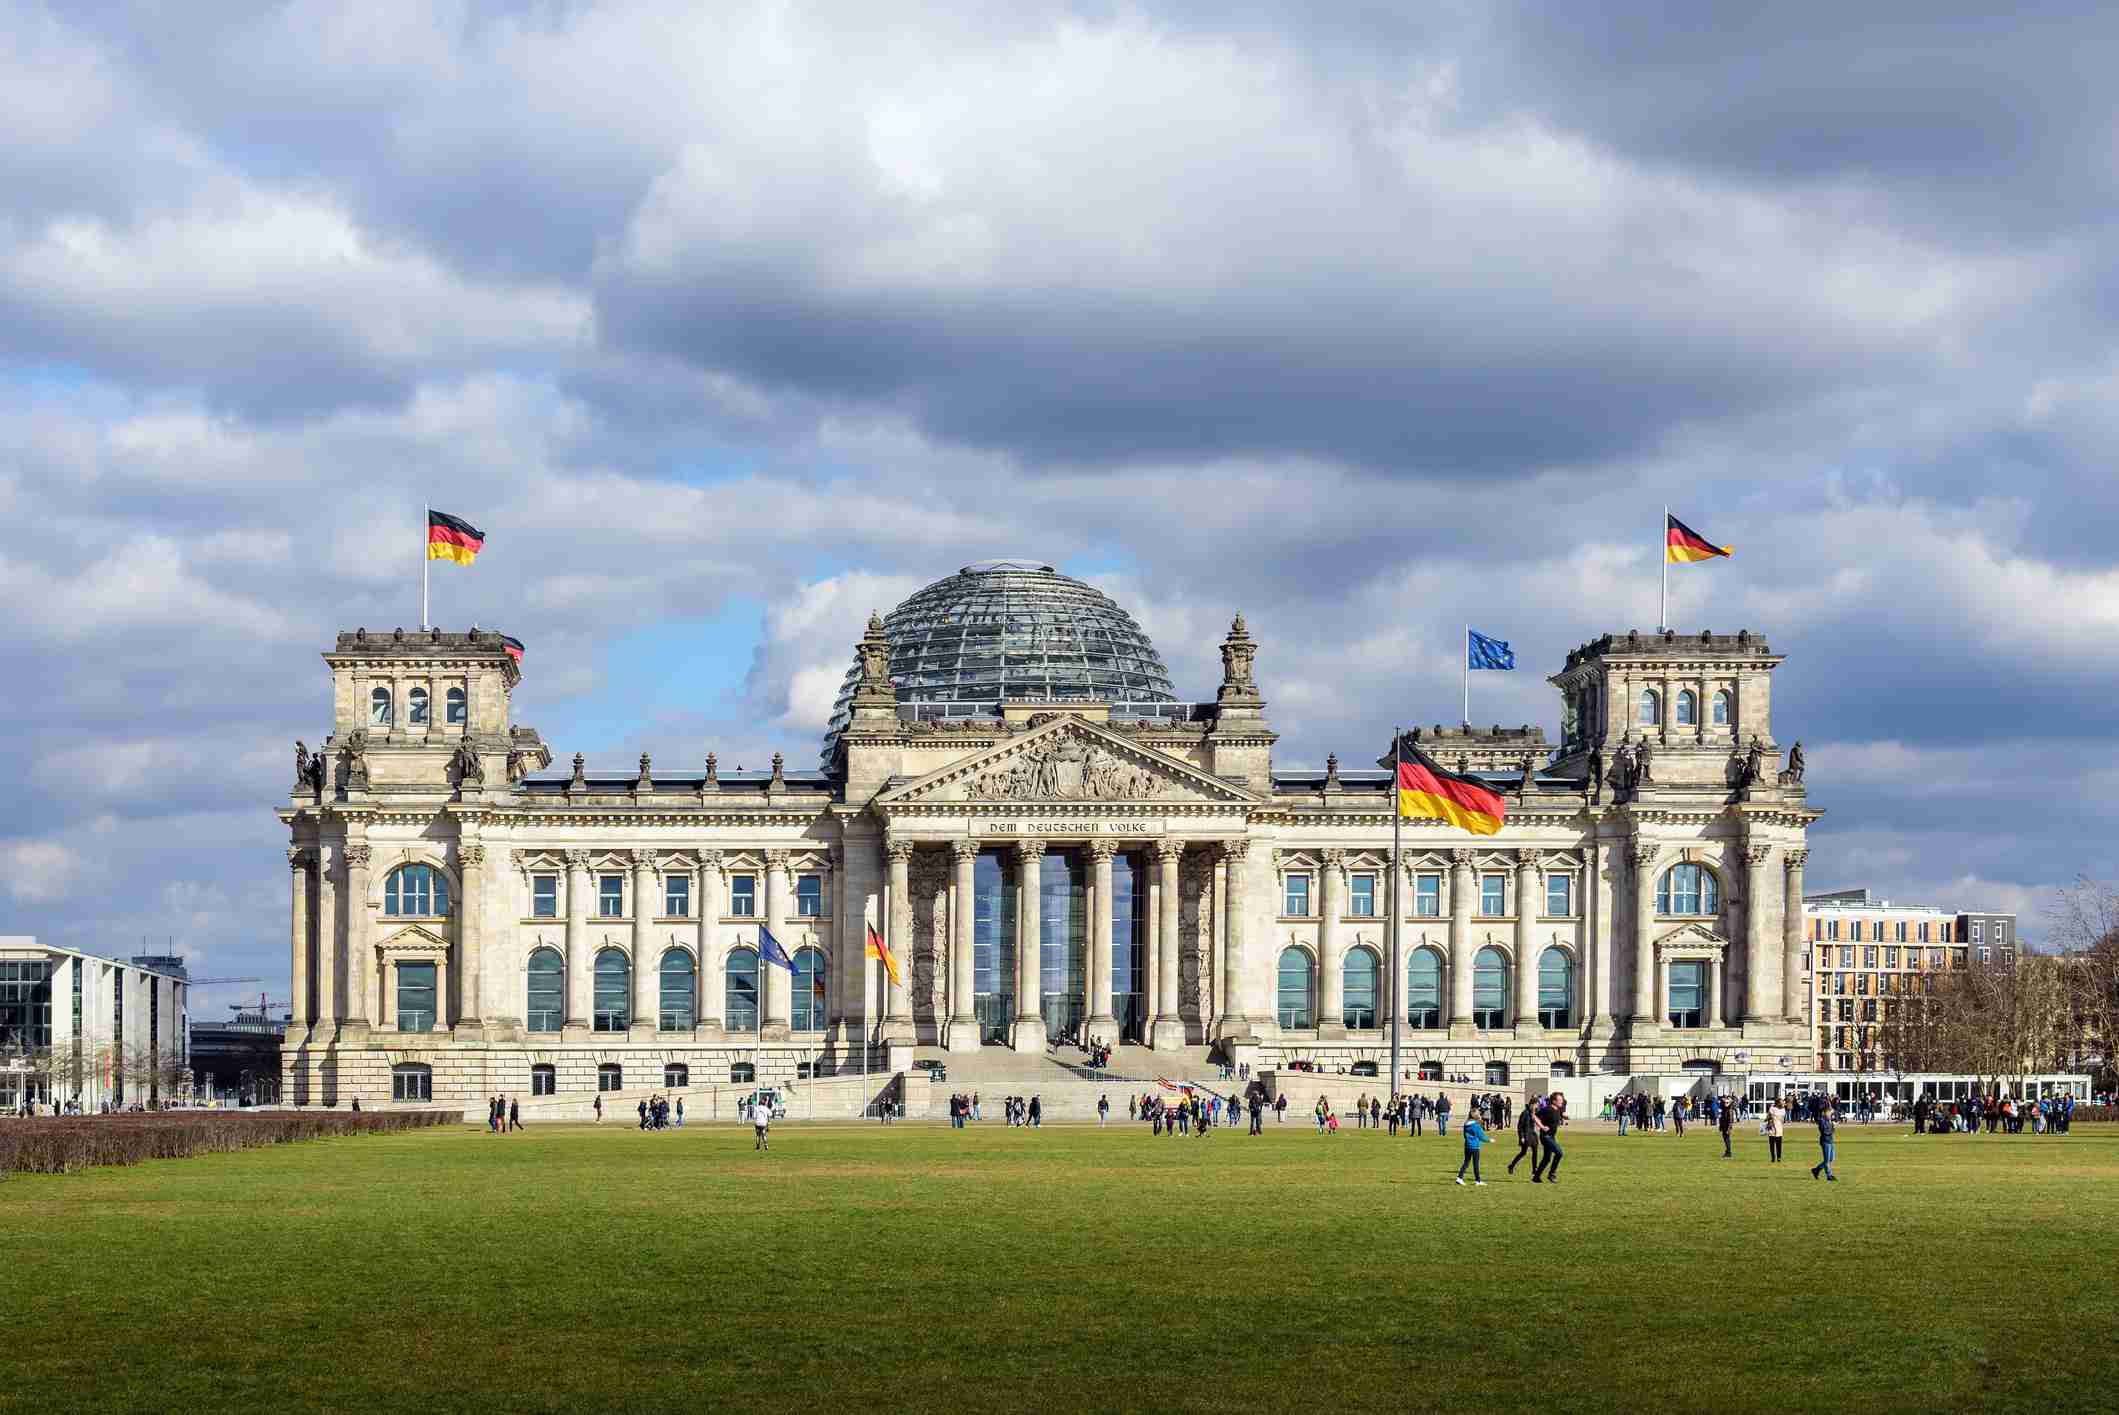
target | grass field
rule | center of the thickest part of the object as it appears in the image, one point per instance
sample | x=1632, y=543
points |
x=922, y=1269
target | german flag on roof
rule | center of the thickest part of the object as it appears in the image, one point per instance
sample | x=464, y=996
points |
x=1427, y=792
x=453, y=538
x=1682, y=545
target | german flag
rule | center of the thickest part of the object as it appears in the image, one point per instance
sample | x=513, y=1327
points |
x=1427, y=792
x=880, y=951
x=514, y=647
x=452, y=538
x=1682, y=545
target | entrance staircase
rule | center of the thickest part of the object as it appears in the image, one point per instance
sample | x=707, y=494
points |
x=1066, y=1086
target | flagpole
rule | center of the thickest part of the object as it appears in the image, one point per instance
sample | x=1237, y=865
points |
x=1397, y=1004
x=1663, y=607
x=1466, y=647
x=424, y=512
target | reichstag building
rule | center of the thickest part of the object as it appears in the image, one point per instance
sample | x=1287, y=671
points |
x=1056, y=846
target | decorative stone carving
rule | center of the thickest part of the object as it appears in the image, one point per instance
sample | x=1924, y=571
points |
x=471, y=854
x=1331, y=772
x=898, y=848
x=1065, y=768
x=1595, y=784
x=357, y=855
x=470, y=771
x=969, y=849
x=1460, y=858
x=646, y=780
x=1795, y=859
x=579, y=781
x=1643, y=854
x=1530, y=858
x=578, y=859
x=779, y=777
x=777, y=859
x=1029, y=849
x=874, y=650
x=301, y=764
x=518, y=765
x=713, y=774
x=709, y=859
x=353, y=761
x=298, y=859
x=1335, y=861
x=1239, y=684
x=1793, y=776
x=1234, y=852
x=1757, y=854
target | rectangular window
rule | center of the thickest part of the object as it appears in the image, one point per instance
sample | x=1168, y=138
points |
x=1861, y=984
x=1297, y=902
x=1493, y=895
x=544, y=1081
x=1983, y=955
x=1868, y=956
x=1934, y=958
x=415, y=997
x=1839, y=983
x=412, y=1083
x=743, y=896
x=1835, y=930
x=677, y=897
x=1361, y=903
x=1923, y=933
x=1427, y=896
x=2001, y=931
x=1901, y=930
x=1957, y=958
x=1846, y=1010
x=1979, y=931
x=1891, y=958
x=809, y=897
x=1559, y=896
x=1846, y=955
x=544, y=896
x=610, y=896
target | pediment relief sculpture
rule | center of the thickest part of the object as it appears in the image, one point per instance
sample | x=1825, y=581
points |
x=1066, y=768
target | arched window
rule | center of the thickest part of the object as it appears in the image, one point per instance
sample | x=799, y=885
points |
x=610, y=1076
x=1688, y=709
x=411, y=1081
x=1490, y=989
x=416, y=708
x=680, y=992
x=1556, y=989
x=1298, y=996
x=416, y=892
x=545, y=1007
x=1688, y=993
x=455, y=708
x=614, y=986
x=676, y=1076
x=1688, y=889
x=544, y=1080
x=379, y=708
x=415, y=996
x=1358, y=972
x=1721, y=708
x=1651, y=708
x=741, y=1004
x=808, y=1012
x=1423, y=988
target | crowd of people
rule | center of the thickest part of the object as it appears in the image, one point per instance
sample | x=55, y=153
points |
x=503, y=1114
x=2047, y=1115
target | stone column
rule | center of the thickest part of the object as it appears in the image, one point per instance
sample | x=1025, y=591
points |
x=1169, y=1032
x=712, y=989
x=360, y=951
x=1460, y=939
x=298, y=863
x=1148, y=887
x=1758, y=957
x=1527, y=902
x=1235, y=893
x=1715, y=994
x=1103, y=1022
x=1793, y=943
x=1331, y=949
x=390, y=994
x=1668, y=705
x=1602, y=999
x=580, y=981
x=963, y=1013
x=326, y=990
x=646, y=994
x=471, y=935
x=1029, y=1031
x=897, y=1020
x=442, y=1017
x=1643, y=857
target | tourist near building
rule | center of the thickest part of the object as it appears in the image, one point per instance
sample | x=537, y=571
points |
x=95, y=1031
x=1054, y=844
x=1872, y=956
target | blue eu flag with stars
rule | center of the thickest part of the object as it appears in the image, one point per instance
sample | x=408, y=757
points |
x=1482, y=652
x=770, y=951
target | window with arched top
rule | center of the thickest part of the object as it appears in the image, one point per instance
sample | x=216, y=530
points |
x=680, y=992
x=1490, y=989
x=544, y=1080
x=1297, y=991
x=379, y=708
x=1358, y=973
x=614, y=986
x=1651, y=712
x=416, y=708
x=1721, y=708
x=416, y=892
x=1688, y=709
x=741, y=1002
x=456, y=707
x=808, y=1010
x=545, y=1005
x=1688, y=890
x=1556, y=989
x=1423, y=988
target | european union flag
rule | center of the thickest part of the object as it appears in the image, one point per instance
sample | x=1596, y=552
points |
x=1482, y=652
x=770, y=951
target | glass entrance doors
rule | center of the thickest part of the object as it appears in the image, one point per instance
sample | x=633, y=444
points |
x=993, y=878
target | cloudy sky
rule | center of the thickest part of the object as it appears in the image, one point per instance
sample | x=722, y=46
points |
x=731, y=323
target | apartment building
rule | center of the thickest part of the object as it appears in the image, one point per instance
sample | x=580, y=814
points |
x=1867, y=955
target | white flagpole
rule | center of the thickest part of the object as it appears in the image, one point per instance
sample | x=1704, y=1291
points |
x=1663, y=608
x=1392, y=993
x=1465, y=649
x=424, y=511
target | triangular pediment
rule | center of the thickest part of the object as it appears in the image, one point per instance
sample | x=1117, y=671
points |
x=413, y=939
x=1692, y=938
x=1073, y=762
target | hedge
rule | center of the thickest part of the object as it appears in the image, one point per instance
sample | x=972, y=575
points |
x=65, y=1144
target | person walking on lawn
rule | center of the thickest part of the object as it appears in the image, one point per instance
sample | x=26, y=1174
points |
x=1725, y=1121
x=1526, y=1137
x=1776, y=1129
x=1825, y=1128
x=1474, y=1137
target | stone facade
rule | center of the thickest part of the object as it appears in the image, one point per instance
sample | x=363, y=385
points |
x=1198, y=898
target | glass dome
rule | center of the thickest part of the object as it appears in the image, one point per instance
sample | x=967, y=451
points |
x=1010, y=629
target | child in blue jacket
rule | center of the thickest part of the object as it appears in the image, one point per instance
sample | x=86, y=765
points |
x=1474, y=1137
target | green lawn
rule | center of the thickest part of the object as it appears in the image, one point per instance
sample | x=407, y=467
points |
x=920, y=1269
